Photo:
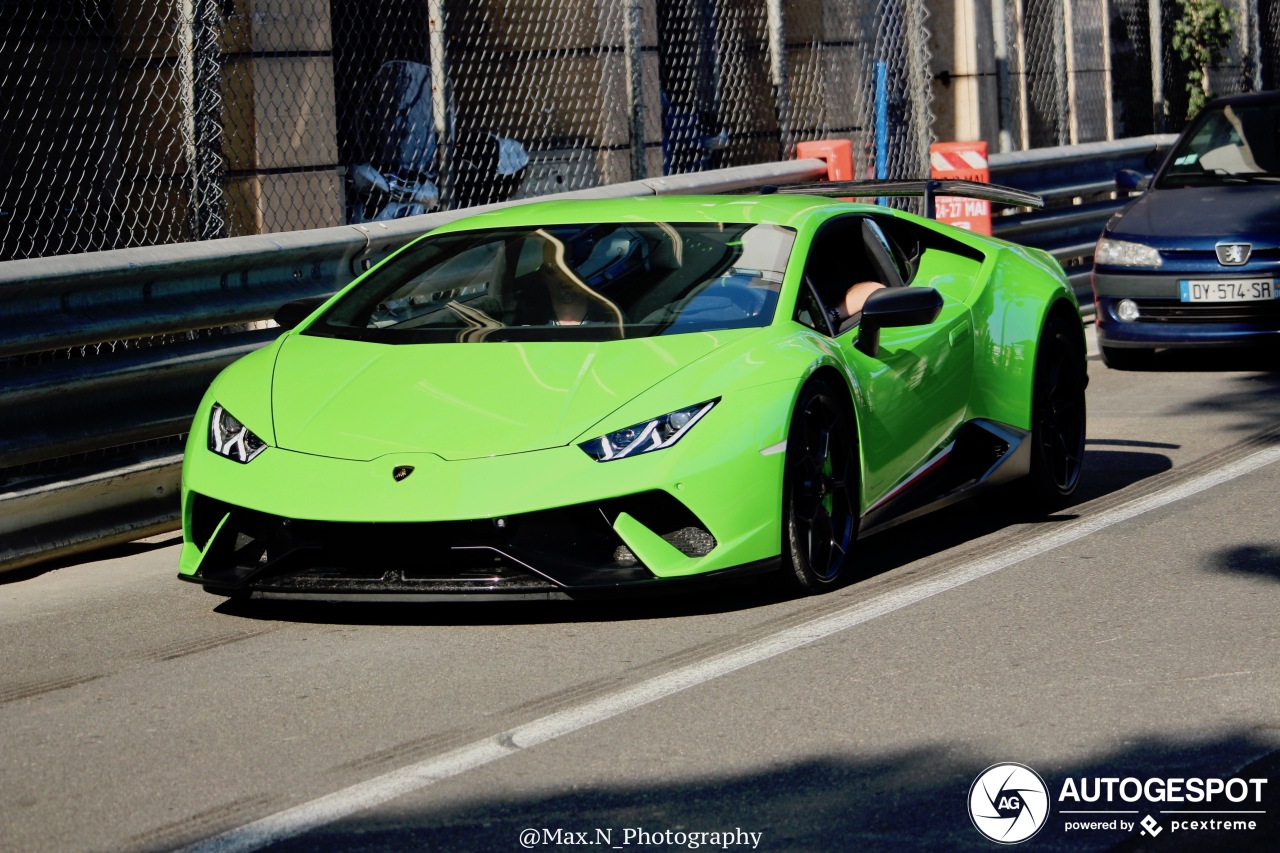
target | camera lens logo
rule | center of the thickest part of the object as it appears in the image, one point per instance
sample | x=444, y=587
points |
x=1008, y=803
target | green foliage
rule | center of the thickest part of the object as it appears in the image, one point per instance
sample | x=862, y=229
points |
x=1201, y=33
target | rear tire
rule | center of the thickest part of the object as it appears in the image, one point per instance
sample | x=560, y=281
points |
x=1058, y=415
x=1127, y=359
x=819, y=491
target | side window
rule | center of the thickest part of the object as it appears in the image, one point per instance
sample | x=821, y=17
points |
x=810, y=312
x=837, y=261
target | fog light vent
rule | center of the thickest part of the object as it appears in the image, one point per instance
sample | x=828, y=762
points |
x=691, y=541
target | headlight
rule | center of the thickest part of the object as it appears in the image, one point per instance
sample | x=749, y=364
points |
x=650, y=435
x=232, y=439
x=1120, y=253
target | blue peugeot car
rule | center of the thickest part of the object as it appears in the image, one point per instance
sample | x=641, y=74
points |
x=1195, y=260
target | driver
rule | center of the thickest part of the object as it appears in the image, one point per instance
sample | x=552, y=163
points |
x=573, y=302
x=854, y=298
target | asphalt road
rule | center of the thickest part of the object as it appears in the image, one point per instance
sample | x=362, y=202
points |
x=1134, y=635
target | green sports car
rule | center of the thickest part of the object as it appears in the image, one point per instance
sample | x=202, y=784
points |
x=570, y=397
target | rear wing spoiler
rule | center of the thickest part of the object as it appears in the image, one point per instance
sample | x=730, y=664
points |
x=928, y=188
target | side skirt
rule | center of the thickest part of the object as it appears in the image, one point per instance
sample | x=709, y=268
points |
x=984, y=454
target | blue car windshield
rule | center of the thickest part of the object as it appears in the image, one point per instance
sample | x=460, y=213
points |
x=1228, y=145
x=595, y=281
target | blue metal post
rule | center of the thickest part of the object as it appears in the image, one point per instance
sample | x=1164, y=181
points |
x=882, y=123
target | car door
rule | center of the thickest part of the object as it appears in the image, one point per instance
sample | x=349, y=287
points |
x=915, y=389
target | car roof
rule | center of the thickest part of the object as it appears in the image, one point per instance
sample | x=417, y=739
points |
x=775, y=209
x=1271, y=96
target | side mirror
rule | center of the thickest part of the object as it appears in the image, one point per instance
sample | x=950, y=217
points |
x=290, y=314
x=894, y=307
x=1131, y=181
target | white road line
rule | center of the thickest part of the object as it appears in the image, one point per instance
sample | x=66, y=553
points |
x=340, y=804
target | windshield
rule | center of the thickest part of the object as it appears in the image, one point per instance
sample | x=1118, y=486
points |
x=568, y=282
x=1228, y=145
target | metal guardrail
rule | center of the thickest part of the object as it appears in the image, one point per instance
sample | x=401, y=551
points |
x=91, y=445
x=1077, y=183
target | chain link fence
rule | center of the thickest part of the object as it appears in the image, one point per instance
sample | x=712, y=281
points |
x=1091, y=70
x=141, y=122
x=1269, y=43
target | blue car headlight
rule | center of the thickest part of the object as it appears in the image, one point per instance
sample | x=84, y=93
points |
x=1122, y=253
x=657, y=434
x=232, y=439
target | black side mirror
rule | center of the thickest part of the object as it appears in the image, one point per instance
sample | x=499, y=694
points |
x=894, y=307
x=290, y=314
x=1131, y=180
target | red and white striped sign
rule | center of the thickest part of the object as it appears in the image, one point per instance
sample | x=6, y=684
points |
x=961, y=161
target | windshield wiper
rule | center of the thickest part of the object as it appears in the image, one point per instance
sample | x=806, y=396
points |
x=1216, y=177
x=1253, y=177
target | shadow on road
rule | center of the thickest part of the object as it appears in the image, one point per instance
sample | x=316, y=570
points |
x=726, y=598
x=1251, y=391
x=1253, y=395
x=1109, y=471
x=97, y=555
x=1257, y=560
x=1213, y=360
x=1106, y=472
x=842, y=800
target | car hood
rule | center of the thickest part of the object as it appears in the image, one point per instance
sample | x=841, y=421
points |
x=356, y=400
x=1198, y=217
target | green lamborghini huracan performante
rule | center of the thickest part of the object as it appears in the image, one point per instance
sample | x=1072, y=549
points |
x=571, y=397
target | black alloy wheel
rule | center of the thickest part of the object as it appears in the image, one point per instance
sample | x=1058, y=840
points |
x=820, y=490
x=1058, y=414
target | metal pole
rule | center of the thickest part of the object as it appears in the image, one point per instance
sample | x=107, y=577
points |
x=778, y=71
x=1069, y=52
x=1253, y=47
x=1061, y=73
x=1108, y=100
x=191, y=96
x=1000, y=37
x=882, y=124
x=208, y=203
x=1024, y=115
x=919, y=83
x=635, y=72
x=1157, y=64
x=442, y=100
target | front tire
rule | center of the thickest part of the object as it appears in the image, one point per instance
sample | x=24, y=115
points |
x=1058, y=415
x=820, y=491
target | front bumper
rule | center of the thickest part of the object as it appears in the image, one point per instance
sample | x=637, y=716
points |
x=1165, y=321
x=543, y=524
x=544, y=554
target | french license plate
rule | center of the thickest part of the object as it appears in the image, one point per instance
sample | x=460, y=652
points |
x=1217, y=290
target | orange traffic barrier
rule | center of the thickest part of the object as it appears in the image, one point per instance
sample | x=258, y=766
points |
x=837, y=152
x=961, y=161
